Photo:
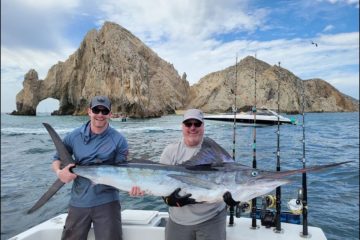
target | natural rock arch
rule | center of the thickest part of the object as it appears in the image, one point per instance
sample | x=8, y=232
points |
x=110, y=62
x=48, y=105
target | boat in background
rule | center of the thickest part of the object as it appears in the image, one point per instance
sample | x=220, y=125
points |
x=264, y=116
x=119, y=117
x=150, y=225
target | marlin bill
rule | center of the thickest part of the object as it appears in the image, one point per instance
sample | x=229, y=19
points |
x=207, y=175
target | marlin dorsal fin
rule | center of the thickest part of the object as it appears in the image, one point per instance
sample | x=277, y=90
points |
x=211, y=154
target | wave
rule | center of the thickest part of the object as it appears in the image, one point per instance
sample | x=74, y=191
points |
x=16, y=131
x=37, y=150
x=148, y=129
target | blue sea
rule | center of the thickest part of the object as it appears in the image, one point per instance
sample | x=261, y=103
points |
x=333, y=195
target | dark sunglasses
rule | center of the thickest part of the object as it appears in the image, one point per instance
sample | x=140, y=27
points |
x=103, y=111
x=196, y=124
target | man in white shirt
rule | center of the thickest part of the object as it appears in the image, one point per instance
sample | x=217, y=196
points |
x=189, y=220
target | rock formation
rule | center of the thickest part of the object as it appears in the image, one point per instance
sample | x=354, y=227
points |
x=215, y=91
x=110, y=62
x=115, y=63
x=322, y=97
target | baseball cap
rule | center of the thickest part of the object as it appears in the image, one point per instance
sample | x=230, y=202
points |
x=194, y=114
x=100, y=101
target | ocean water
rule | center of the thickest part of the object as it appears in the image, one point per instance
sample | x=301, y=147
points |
x=333, y=195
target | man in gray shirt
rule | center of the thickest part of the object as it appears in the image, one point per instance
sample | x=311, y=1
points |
x=189, y=220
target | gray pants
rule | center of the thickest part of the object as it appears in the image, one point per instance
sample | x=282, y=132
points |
x=213, y=229
x=106, y=219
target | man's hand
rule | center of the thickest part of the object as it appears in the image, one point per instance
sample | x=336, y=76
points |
x=175, y=200
x=65, y=175
x=136, y=191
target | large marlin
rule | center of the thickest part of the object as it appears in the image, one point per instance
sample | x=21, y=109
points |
x=207, y=175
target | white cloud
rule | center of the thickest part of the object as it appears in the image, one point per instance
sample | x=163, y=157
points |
x=37, y=25
x=349, y=2
x=23, y=59
x=181, y=20
x=328, y=28
x=17, y=62
x=48, y=5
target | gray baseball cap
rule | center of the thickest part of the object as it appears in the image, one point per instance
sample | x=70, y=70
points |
x=100, y=101
x=194, y=114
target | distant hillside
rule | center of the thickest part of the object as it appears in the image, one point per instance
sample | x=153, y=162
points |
x=215, y=91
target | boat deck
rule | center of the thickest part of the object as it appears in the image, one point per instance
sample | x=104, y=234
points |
x=150, y=225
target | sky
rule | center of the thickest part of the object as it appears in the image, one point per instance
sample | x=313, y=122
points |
x=197, y=36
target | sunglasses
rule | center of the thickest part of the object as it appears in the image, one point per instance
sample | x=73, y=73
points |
x=103, y=111
x=190, y=124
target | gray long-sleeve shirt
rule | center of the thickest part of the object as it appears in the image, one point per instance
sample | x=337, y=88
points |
x=191, y=214
x=110, y=147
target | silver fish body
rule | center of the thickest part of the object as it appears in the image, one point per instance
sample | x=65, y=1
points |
x=205, y=184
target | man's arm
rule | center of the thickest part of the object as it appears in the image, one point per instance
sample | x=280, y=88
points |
x=167, y=156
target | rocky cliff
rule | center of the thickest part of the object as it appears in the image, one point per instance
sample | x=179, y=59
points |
x=322, y=97
x=215, y=91
x=115, y=63
x=110, y=62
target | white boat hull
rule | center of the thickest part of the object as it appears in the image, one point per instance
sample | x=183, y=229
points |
x=119, y=119
x=150, y=225
x=263, y=117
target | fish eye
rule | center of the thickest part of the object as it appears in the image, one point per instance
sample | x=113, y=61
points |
x=254, y=173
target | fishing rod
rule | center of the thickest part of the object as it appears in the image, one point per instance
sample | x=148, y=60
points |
x=304, y=182
x=253, y=201
x=234, y=107
x=231, y=209
x=278, y=189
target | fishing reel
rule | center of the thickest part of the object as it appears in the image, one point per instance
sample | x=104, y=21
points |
x=267, y=217
x=242, y=207
x=295, y=205
x=236, y=207
x=269, y=201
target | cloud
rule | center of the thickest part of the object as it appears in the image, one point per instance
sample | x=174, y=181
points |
x=16, y=62
x=35, y=24
x=180, y=20
x=328, y=28
x=348, y=2
x=23, y=59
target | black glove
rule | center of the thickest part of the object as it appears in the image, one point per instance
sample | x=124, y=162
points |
x=229, y=200
x=175, y=200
